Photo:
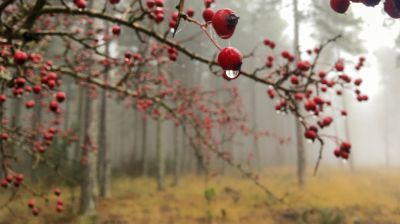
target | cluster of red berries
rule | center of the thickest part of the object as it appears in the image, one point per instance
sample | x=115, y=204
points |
x=343, y=151
x=224, y=22
x=16, y=180
x=156, y=8
x=391, y=7
x=269, y=43
x=59, y=203
x=174, y=17
x=172, y=53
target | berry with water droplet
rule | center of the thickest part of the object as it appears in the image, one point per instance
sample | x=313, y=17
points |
x=230, y=59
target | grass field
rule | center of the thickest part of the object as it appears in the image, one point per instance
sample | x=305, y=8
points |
x=334, y=196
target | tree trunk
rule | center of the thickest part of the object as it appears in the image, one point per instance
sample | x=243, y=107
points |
x=145, y=162
x=104, y=165
x=301, y=157
x=160, y=157
x=80, y=127
x=177, y=155
x=89, y=176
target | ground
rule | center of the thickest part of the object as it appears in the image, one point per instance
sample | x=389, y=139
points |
x=333, y=196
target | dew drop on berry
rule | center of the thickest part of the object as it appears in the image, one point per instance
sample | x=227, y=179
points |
x=231, y=74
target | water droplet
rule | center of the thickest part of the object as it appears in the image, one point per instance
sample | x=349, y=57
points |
x=230, y=74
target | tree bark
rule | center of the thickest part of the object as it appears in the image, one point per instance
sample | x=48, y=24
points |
x=145, y=162
x=104, y=165
x=177, y=155
x=89, y=175
x=301, y=157
x=160, y=157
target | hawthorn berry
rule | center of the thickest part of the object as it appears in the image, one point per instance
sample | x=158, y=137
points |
x=53, y=106
x=303, y=65
x=116, y=30
x=224, y=23
x=59, y=208
x=80, y=3
x=310, y=134
x=392, y=9
x=159, y=3
x=3, y=98
x=60, y=96
x=35, y=211
x=230, y=60
x=114, y=1
x=31, y=203
x=208, y=14
x=340, y=6
x=20, y=57
x=4, y=183
x=37, y=89
x=30, y=104
x=150, y=4
x=190, y=12
x=339, y=66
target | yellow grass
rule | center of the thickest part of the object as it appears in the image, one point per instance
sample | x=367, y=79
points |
x=334, y=196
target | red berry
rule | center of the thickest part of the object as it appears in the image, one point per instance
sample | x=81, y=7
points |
x=208, y=14
x=310, y=134
x=340, y=6
x=345, y=146
x=392, y=9
x=59, y=208
x=4, y=183
x=35, y=211
x=30, y=104
x=53, y=106
x=116, y=30
x=230, y=59
x=80, y=3
x=60, y=96
x=294, y=80
x=3, y=98
x=224, y=22
x=344, y=155
x=303, y=65
x=150, y=3
x=159, y=3
x=31, y=203
x=20, y=57
x=339, y=66
x=37, y=89
x=337, y=153
x=60, y=202
x=190, y=12
x=114, y=1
